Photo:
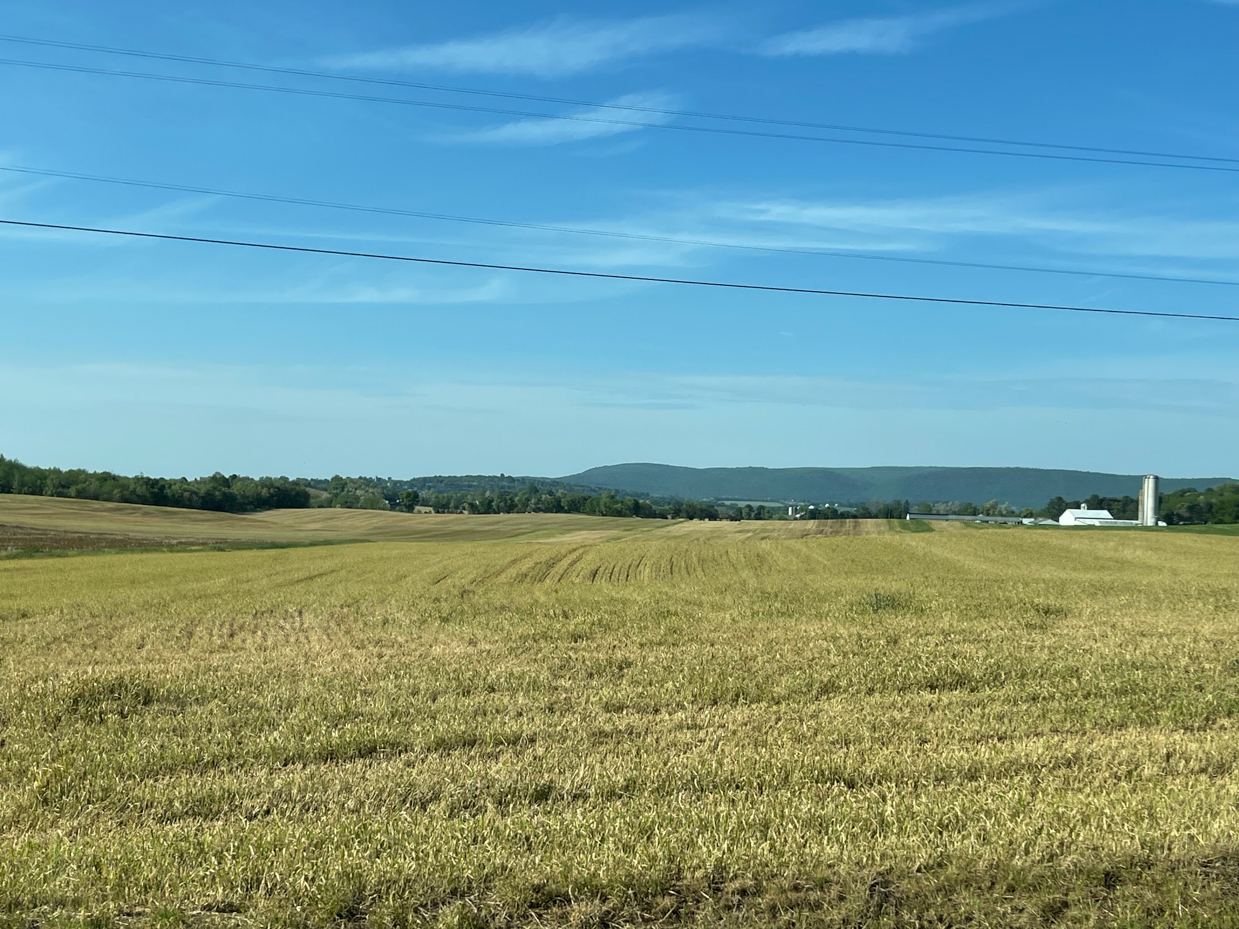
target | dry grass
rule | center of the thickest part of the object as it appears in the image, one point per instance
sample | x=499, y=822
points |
x=150, y=526
x=57, y=523
x=690, y=725
x=801, y=529
x=28, y=539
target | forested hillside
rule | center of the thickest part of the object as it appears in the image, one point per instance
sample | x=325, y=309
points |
x=1019, y=487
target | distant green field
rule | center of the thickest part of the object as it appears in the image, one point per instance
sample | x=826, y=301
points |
x=1208, y=530
x=699, y=724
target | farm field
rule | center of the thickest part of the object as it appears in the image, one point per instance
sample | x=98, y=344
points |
x=592, y=724
x=58, y=524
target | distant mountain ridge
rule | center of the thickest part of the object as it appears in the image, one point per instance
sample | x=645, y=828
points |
x=1021, y=487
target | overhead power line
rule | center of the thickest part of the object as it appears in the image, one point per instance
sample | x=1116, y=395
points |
x=628, y=107
x=601, y=275
x=607, y=121
x=574, y=230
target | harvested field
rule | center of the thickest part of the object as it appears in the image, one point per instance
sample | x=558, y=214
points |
x=23, y=539
x=157, y=526
x=800, y=529
x=693, y=725
x=98, y=525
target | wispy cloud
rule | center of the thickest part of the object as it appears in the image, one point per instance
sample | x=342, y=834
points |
x=1020, y=389
x=167, y=217
x=884, y=36
x=580, y=126
x=933, y=222
x=14, y=191
x=551, y=49
x=491, y=291
x=16, y=187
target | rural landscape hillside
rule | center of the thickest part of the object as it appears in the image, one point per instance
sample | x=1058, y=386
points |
x=556, y=720
x=756, y=493
x=307, y=304
x=1021, y=487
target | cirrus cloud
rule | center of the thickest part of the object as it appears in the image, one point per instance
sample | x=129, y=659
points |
x=579, y=125
x=888, y=36
x=552, y=49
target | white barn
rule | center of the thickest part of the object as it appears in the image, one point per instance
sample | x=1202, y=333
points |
x=1086, y=517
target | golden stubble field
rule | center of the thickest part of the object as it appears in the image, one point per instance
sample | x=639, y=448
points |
x=61, y=524
x=696, y=725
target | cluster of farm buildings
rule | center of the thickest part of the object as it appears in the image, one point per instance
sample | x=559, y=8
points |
x=1146, y=508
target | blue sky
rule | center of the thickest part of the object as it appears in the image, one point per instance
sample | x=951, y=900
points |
x=177, y=359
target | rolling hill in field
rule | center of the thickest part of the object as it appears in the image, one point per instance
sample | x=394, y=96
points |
x=55, y=524
x=1020, y=487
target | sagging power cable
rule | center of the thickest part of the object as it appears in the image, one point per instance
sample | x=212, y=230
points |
x=593, y=104
x=607, y=121
x=602, y=275
x=604, y=233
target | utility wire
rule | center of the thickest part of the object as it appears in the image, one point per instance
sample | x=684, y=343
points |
x=564, y=272
x=599, y=120
x=302, y=72
x=701, y=243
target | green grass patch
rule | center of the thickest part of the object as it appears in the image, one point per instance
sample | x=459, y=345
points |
x=911, y=525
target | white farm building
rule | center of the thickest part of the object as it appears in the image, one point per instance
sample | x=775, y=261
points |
x=1085, y=517
x=1146, y=504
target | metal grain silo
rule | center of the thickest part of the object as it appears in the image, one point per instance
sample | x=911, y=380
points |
x=1148, y=501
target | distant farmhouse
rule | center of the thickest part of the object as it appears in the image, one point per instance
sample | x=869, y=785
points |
x=1086, y=517
x=1147, y=506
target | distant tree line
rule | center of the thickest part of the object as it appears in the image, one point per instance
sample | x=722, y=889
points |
x=238, y=494
x=1194, y=507
x=352, y=493
x=535, y=499
x=503, y=494
x=875, y=509
x=967, y=508
x=229, y=494
x=469, y=484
